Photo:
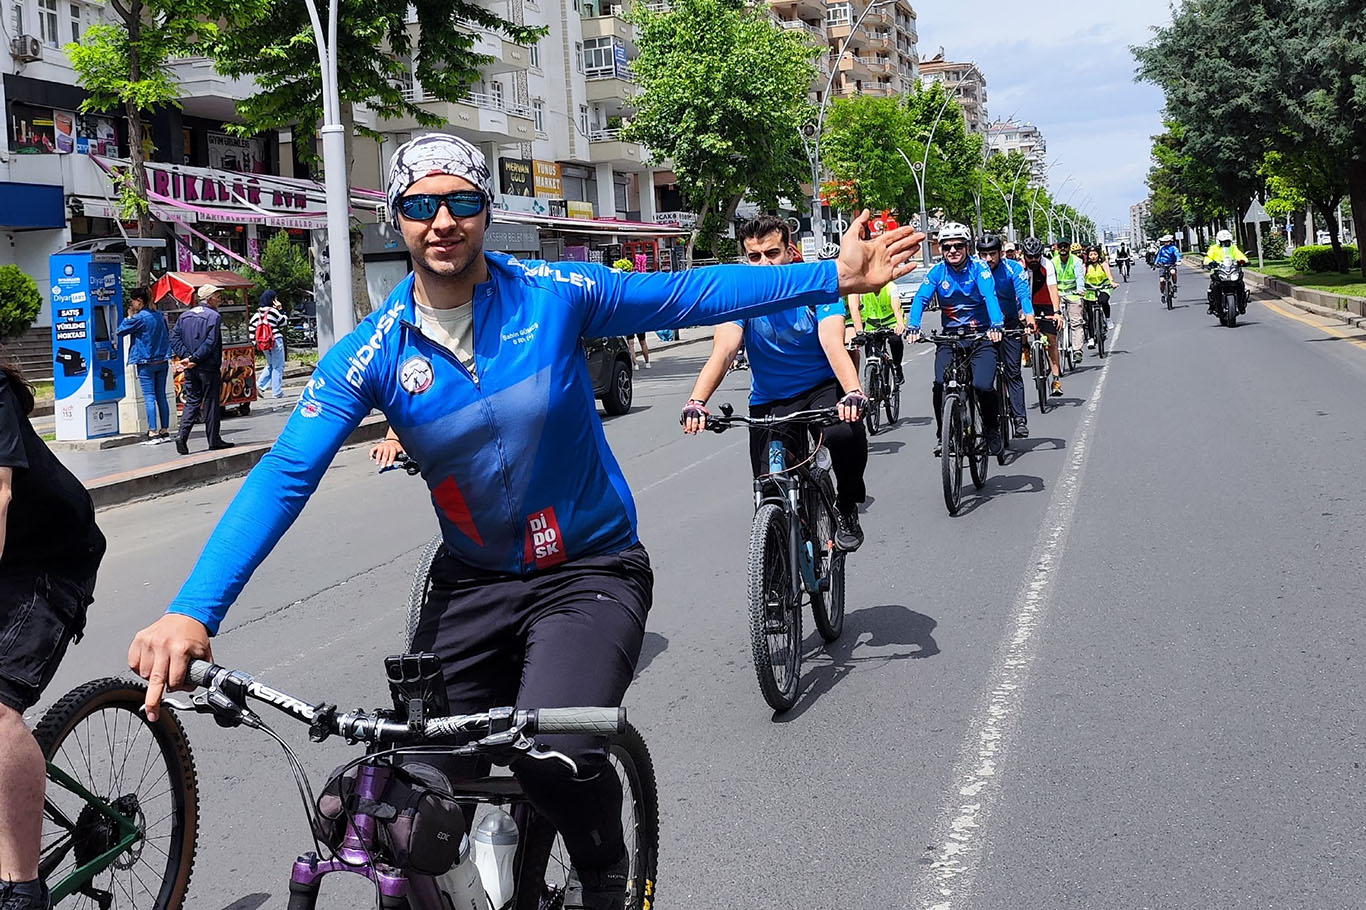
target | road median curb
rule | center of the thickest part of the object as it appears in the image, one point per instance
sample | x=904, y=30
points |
x=126, y=486
x=1330, y=306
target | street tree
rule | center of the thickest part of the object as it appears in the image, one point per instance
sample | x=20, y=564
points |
x=859, y=149
x=952, y=175
x=1005, y=184
x=284, y=268
x=723, y=96
x=1314, y=176
x=378, y=58
x=126, y=65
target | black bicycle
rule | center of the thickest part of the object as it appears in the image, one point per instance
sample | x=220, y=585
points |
x=962, y=436
x=1039, y=363
x=792, y=553
x=1006, y=410
x=880, y=381
x=1095, y=316
x=1168, y=284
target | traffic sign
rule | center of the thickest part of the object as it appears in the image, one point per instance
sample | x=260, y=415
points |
x=1256, y=214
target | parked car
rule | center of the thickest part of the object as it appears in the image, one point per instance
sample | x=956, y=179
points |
x=609, y=363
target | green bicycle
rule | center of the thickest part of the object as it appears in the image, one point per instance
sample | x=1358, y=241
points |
x=121, y=814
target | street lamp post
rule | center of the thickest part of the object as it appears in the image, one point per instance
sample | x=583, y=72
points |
x=919, y=172
x=338, y=297
x=813, y=147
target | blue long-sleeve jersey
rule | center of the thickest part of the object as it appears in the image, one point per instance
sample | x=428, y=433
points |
x=967, y=297
x=520, y=473
x=1012, y=289
x=1168, y=255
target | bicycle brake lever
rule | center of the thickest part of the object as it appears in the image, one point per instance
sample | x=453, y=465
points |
x=178, y=701
x=552, y=755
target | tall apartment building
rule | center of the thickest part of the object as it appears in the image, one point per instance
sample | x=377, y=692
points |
x=1006, y=136
x=881, y=58
x=1138, y=213
x=966, y=82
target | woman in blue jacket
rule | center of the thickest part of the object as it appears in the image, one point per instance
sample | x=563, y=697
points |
x=149, y=347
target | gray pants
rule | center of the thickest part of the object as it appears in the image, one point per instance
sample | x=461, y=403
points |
x=1076, y=318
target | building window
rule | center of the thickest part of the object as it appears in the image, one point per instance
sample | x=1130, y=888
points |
x=496, y=92
x=534, y=52
x=578, y=50
x=599, y=58
x=75, y=22
x=538, y=113
x=583, y=119
x=17, y=17
x=47, y=22
x=839, y=14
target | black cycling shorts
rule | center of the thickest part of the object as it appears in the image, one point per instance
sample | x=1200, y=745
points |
x=1043, y=315
x=40, y=614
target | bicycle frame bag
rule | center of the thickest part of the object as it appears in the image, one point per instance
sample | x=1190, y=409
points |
x=420, y=824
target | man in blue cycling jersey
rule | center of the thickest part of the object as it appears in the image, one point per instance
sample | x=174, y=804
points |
x=1167, y=257
x=967, y=303
x=1013, y=293
x=797, y=362
x=540, y=594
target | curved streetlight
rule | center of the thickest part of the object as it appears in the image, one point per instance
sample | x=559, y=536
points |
x=918, y=173
x=338, y=298
x=813, y=146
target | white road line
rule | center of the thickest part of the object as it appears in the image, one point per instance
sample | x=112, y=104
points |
x=681, y=471
x=961, y=836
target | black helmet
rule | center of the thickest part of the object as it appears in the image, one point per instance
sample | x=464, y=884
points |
x=989, y=243
x=1033, y=247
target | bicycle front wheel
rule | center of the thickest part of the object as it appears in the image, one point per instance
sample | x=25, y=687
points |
x=630, y=759
x=422, y=585
x=978, y=456
x=872, y=387
x=892, y=398
x=139, y=773
x=827, y=604
x=952, y=445
x=775, y=616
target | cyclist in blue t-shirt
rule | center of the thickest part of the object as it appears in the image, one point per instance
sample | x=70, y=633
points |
x=1167, y=257
x=967, y=303
x=1017, y=305
x=797, y=362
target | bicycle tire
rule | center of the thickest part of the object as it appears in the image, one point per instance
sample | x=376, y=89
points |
x=1039, y=360
x=892, y=401
x=1101, y=334
x=88, y=834
x=978, y=456
x=1005, y=414
x=422, y=584
x=640, y=789
x=827, y=607
x=872, y=387
x=952, y=444
x=773, y=612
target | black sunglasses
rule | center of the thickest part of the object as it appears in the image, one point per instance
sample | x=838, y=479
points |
x=953, y=247
x=423, y=206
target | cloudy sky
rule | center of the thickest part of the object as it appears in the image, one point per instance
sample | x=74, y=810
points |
x=1075, y=82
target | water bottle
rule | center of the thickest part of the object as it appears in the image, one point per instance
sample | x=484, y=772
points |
x=459, y=885
x=495, y=847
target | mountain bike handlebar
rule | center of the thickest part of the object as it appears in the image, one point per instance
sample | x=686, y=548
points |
x=819, y=417
x=868, y=337
x=403, y=462
x=229, y=689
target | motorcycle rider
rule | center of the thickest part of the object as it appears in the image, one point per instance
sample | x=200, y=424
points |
x=1223, y=250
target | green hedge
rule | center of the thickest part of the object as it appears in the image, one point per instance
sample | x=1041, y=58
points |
x=19, y=301
x=1308, y=259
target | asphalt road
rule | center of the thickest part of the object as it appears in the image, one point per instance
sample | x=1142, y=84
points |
x=1127, y=677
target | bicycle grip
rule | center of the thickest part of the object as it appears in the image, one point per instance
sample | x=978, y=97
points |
x=201, y=672
x=602, y=721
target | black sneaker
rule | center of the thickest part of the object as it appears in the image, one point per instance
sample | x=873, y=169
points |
x=994, y=441
x=1021, y=428
x=598, y=889
x=848, y=534
x=221, y=444
x=181, y=446
x=24, y=896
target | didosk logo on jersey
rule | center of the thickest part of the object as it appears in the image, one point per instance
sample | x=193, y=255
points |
x=544, y=543
x=355, y=367
x=416, y=375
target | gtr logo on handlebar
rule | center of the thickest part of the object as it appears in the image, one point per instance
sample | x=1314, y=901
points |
x=281, y=700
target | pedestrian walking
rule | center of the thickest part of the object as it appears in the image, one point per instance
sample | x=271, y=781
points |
x=149, y=349
x=198, y=338
x=50, y=549
x=631, y=342
x=268, y=330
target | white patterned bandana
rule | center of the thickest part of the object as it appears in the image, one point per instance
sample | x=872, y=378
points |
x=436, y=153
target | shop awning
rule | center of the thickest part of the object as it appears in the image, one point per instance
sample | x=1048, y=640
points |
x=181, y=285
x=32, y=206
x=605, y=226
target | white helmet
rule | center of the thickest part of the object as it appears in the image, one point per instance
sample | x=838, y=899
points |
x=829, y=251
x=1166, y=238
x=1224, y=237
x=954, y=231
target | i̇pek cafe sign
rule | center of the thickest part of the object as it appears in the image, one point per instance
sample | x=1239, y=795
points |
x=194, y=194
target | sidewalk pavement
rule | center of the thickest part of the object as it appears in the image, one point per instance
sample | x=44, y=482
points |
x=1349, y=310
x=118, y=475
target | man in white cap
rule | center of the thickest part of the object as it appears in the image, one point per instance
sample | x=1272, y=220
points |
x=198, y=338
x=540, y=595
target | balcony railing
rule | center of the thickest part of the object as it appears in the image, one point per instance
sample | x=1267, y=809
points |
x=592, y=73
x=607, y=135
x=478, y=99
x=803, y=26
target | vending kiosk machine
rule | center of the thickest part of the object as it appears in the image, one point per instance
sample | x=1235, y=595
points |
x=87, y=354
